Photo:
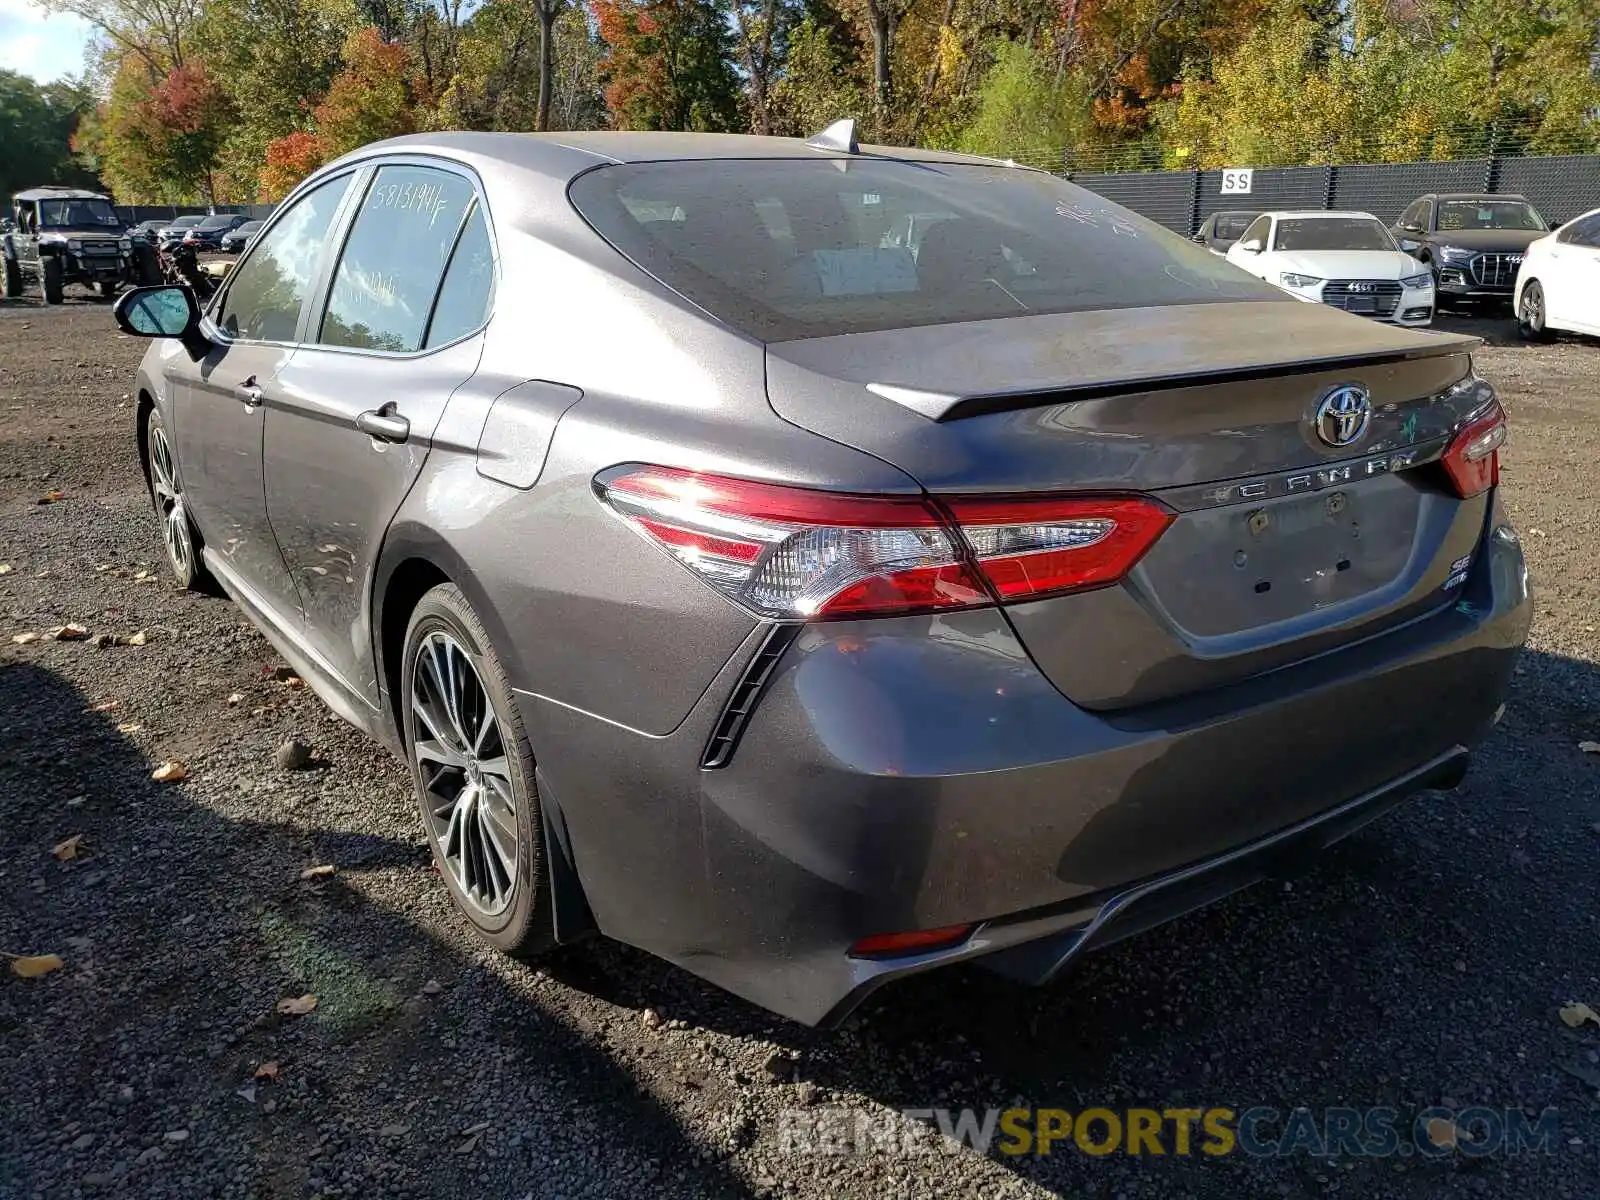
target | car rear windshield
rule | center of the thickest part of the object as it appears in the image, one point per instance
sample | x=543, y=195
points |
x=794, y=248
x=1231, y=225
x=1488, y=214
x=1331, y=233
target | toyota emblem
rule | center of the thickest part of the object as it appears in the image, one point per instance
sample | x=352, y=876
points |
x=1344, y=414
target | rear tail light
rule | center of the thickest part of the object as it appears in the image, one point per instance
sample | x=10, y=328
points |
x=791, y=552
x=1039, y=546
x=1472, y=460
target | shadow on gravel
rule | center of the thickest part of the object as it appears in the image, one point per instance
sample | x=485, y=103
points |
x=181, y=931
x=1419, y=963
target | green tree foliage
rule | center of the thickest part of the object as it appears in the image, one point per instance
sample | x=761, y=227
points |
x=222, y=97
x=278, y=58
x=37, y=125
x=1024, y=111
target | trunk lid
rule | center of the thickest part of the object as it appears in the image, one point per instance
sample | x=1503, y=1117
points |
x=1284, y=545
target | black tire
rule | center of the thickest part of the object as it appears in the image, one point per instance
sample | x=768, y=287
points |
x=13, y=279
x=108, y=289
x=51, y=280
x=1531, y=313
x=179, y=536
x=146, y=266
x=525, y=925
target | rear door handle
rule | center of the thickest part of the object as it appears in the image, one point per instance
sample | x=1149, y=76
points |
x=384, y=424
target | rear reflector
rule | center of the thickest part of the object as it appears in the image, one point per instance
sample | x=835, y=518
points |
x=881, y=945
x=1472, y=460
x=789, y=552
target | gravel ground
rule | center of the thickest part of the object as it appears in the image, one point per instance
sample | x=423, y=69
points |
x=1422, y=962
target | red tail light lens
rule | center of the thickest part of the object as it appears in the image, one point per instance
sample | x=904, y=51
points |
x=792, y=552
x=1042, y=546
x=1472, y=460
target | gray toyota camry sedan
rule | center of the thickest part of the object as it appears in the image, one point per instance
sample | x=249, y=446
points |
x=816, y=563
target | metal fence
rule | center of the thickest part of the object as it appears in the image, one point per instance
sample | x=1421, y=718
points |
x=133, y=214
x=1559, y=186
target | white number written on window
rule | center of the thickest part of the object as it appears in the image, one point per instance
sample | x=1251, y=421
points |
x=1236, y=181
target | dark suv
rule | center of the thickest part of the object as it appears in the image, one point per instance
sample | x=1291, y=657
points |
x=67, y=235
x=208, y=234
x=1474, y=243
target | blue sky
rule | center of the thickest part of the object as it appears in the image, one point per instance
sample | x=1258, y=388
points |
x=45, y=47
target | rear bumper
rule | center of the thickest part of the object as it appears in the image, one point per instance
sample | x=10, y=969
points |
x=916, y=773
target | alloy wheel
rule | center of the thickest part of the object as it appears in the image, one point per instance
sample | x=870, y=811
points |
x=175, y=531
x=1533, y=309
x=458, y=745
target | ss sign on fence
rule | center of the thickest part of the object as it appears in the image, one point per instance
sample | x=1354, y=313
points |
x=1236, y=181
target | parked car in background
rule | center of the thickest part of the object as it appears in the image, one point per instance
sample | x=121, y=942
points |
x=1221, y=230
x=1558, y=281
x=1473, y=243
x=236, y=239
x=208, y=234
x=149, y=231
x=1346, y=260
x=877, y=610
x=173, y=232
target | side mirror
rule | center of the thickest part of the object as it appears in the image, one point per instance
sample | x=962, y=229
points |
x=1408, y=245
x=163, y=311
x=1251, y=245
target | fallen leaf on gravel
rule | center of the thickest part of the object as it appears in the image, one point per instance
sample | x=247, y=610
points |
x=31, y=966
x=1575, y=1013
x=268, y=1071
x=69, y=633
x=1443, y=1133
x=170, y=772
x=317, y=871
x=106, y=706
x=22, y=639
x=297, y=1006
x=136, y=639
x=129, y=727
x=1586, y=747
x=52, y=497
x=5, y=568
x=68, y=850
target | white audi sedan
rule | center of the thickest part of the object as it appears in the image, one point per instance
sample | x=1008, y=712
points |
x=1344, y=259
x=1558, y=284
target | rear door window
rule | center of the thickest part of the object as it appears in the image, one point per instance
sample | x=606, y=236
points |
x=392, y=263
x=792, y=248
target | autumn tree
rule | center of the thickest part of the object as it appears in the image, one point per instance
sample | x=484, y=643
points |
x=668, y=64
x=370, y=99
